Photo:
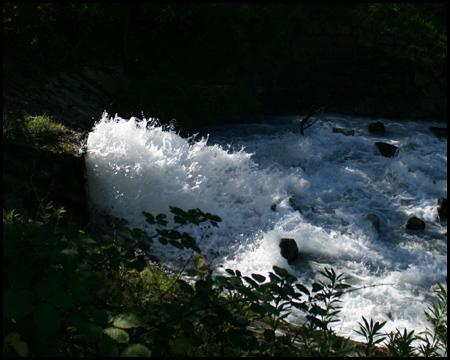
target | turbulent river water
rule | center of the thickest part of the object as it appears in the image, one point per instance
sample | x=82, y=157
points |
x=267, y=182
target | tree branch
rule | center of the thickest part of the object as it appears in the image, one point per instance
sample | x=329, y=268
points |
x=304, y=124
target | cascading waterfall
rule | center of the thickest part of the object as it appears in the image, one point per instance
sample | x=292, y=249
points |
x=267, y=182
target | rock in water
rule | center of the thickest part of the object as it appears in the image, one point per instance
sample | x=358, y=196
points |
x=289, y=249
x=438, y=131
x=346, y=132
x=415, y=223
x=375, y=220
x=387, y=150
x=442, y=209
x=376, y=128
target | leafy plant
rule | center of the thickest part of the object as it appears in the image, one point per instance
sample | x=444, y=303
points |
x=371, y=331
x=436, y=338
x=67, y=293
x=400, y=345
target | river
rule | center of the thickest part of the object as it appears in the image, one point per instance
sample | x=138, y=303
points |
x=267, y=182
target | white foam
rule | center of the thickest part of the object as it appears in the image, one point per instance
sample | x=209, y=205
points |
x=239, y=173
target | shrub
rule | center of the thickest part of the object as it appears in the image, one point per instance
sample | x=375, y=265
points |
x=67, y=293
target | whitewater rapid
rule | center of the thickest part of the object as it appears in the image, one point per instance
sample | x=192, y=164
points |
x=267, y=182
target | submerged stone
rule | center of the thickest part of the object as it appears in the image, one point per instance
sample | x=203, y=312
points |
x=442, y=209
x=289, y=249
x=346, y=132
x=438, y=131
x=375, y=220
x=387, y=150
x=376, y=128
x=415, y=223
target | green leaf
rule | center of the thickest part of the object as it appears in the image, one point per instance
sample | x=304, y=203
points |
x=269, y=335
x=108, y=347
x=317, y=287
x=174, y=235
x=136, y=350
x=302, y=288
x=316, y=322
x=141, y=263
x=149, y=218
x=180, y=220
x=46, y=288
x=17, y=303
x=19, y=279
x=263, y=296
x=118, y=335
x=161, y=219
x=180, y=346
x=100, y=317
x=251, y=282
x=13, y=339
x=281, y=272
x=230, y=271
x=79, y=291
x=163, y=240
x=317, y=310
x=185, y=287
x=61, y=299
x=177, y=211
x=92, y=332
x=259, y=278
x=70, y=261
x=127, y=321
x=203, y=288
x=176, y=244
x=300, y=305
x=198, y=262
x=192, y=272
x=46, y=317
x=214, y=218
x=257, y=308
x=235, y=281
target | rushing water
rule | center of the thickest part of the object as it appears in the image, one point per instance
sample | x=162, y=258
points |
x=267, y=182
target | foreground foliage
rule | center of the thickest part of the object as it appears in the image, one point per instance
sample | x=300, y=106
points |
x=67, y=293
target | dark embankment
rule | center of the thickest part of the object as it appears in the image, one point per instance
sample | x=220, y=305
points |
x=209, y=62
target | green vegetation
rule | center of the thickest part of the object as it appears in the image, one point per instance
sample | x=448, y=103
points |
x=69, y=293
x=203, y=62
x=422, y=24
x=39, y=128
x=44, y=132
x=43, y=128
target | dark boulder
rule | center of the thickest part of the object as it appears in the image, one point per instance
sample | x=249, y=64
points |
x=387, y=150
x=375, y=220
x=438, y=131
x=289, y=249
x=415, y=223
x=376, y=128
x=346, y=132
x=442, y=209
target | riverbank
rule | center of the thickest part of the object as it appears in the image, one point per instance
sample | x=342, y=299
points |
x=212, y=62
